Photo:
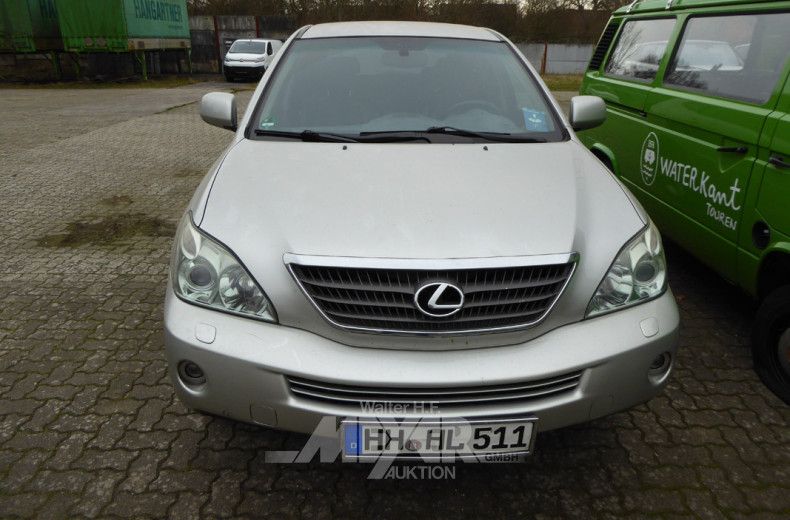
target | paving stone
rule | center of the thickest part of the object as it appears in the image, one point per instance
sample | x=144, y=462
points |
x=22, y=472
x=95, y=459
x=157, y=440
x=72, y=482
x=170, y=481
x=111, y=431
x=187, y=506
x=68, y=451
x=150, y=505
x=142, y=471
x=37, y=440
x=23, y=505
x=45, y=415
x=725, y=494
x=98, y=493
x=225, y=494
x=57, y=504
x=654, y=502
x=701, y=504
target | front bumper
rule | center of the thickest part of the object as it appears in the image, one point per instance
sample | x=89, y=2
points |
x=247, y=364
x=245, y=69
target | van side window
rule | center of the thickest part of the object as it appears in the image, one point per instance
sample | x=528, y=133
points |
x=735, y=57
x=639, y=49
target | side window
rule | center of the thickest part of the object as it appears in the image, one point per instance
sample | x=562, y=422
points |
x=639, y=49
x=735, y=57
x=269, y=48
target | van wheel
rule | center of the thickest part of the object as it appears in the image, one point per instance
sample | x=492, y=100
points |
x=771, y=343
x=228, y=78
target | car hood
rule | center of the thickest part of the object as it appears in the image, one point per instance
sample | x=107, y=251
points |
x=243, y=56
x=415, y=201
x=408, y=200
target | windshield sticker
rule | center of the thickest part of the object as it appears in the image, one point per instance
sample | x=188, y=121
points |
x=534, y=120
x=268, y=122
x=717, y=200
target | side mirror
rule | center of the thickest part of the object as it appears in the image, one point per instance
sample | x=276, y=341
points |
x=587, y=112
x=219, y=109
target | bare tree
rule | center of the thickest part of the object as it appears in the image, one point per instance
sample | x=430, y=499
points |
x=578, y=21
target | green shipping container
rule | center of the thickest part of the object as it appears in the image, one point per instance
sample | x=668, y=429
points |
x=29, y=26
x=123, y=25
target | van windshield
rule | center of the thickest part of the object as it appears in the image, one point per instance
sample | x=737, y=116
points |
x=242, y=47
x=355, y=86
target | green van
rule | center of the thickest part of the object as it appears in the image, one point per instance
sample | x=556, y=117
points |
x=698, y=128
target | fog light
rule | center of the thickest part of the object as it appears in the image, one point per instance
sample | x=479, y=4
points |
x=191, y=373
x=660, y=365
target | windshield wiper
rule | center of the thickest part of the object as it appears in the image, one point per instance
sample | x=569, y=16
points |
x=397, y=136
x=328, y=137
x=309, y=136
x=489, y=136
x=392, y=136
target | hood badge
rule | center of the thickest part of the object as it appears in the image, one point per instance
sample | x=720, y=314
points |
x=439, y=299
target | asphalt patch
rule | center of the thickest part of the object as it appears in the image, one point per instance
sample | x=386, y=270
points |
x=109, y=230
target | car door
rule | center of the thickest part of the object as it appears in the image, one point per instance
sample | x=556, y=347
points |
x=774, y=195
x=628, y=76
x=706, y=118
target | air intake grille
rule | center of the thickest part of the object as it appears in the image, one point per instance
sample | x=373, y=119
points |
x=603, y=46
x=422, y=399
x=383, y=300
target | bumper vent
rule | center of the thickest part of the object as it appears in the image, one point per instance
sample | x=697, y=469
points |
x=420, y=400
x=375, y=298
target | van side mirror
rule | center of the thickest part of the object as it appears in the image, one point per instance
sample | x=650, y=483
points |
x=219, y=109
x=587, y=112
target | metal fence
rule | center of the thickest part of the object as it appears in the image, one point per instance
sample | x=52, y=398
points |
x=557, y=58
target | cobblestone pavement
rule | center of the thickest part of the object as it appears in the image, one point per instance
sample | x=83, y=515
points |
x=89, y=426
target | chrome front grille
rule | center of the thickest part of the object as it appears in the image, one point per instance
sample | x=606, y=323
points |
x=424, y=399
x=377, y=297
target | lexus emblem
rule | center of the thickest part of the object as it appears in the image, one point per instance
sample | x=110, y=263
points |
x=439, y=299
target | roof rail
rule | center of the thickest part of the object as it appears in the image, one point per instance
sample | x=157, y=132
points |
x=631, y=5
x=301, y=31
x=496, y=34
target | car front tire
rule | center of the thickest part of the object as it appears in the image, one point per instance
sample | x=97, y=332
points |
x=771, y=343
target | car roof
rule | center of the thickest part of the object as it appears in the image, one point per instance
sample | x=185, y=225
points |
x=424, y=29
x=254, y=40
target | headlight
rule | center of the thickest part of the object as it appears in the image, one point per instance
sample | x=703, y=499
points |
x=638, y=274
x=261, y=59
x=205, y=273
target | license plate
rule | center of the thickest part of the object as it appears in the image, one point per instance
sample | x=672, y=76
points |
x=491, y=440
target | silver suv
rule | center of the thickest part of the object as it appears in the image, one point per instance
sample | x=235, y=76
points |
x=406, y=230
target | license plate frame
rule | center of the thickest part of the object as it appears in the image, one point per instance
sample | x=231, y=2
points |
x=356, y=447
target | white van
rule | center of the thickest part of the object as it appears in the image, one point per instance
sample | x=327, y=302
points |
x=249, y=58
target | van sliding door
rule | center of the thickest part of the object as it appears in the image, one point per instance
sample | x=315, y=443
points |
x=705, y=122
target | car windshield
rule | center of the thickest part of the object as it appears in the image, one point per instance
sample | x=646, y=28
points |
x=248, y=47
x=377, y=85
